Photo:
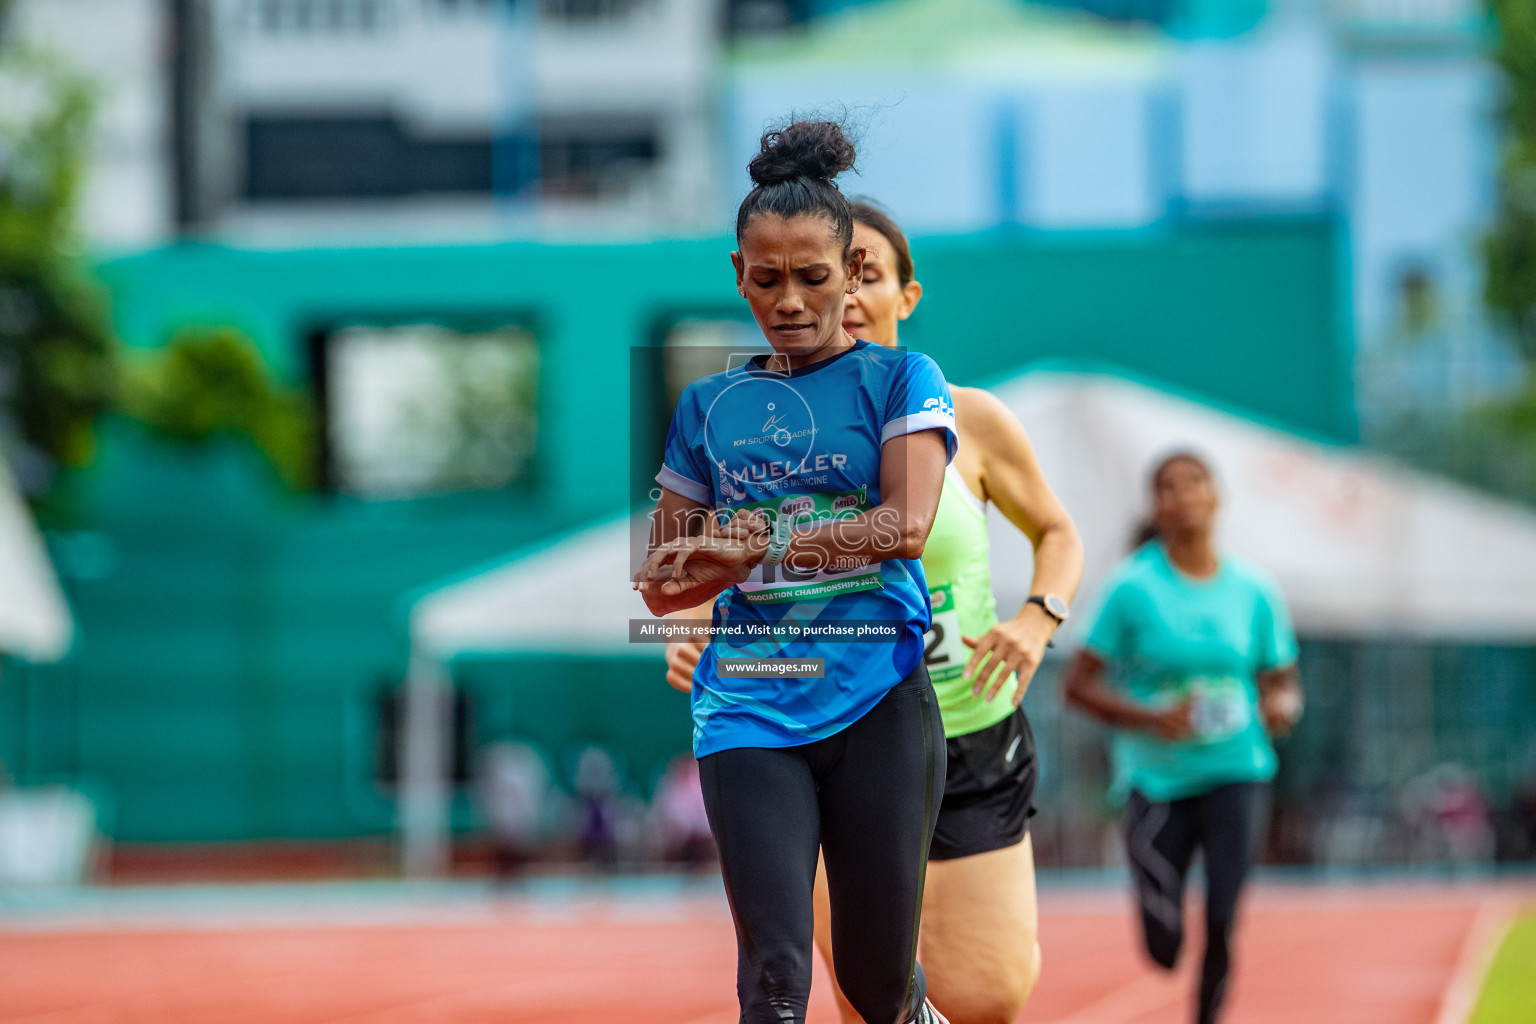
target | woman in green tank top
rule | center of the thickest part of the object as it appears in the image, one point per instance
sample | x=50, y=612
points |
x=978, y=938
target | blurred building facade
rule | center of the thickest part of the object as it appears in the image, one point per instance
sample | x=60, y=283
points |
x=126, y=201
x=300, y=122
x=1240, y=199
x=1379, y=112
x=464, y=118
x=297, y=122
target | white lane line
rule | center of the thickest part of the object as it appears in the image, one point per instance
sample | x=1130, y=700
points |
x=1494, y=918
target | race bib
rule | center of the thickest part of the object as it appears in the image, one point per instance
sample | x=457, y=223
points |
x=1220, y=707
x=944, y=652
x=780, y=582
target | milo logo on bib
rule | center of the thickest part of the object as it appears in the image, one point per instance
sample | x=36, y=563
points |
x=780, y=582
x=803, y=505
x=944, y=653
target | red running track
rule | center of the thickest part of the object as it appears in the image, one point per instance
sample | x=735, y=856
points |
x=1316, y=954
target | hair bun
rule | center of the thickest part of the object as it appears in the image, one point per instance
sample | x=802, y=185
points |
x=804, y=149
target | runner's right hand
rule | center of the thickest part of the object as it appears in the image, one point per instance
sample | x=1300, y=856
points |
x=682, y=657
x=1175, y=722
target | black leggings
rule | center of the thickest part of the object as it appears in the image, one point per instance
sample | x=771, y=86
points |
x=868, y=797
x=1161, y=838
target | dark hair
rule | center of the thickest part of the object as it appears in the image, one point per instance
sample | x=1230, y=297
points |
x=1146, y=530
x=869, y=213
x=793, y=173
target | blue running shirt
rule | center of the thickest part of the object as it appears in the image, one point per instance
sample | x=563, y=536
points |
x=805, y=443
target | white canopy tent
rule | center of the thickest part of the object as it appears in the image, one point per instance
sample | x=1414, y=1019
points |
x=47, y=835
x=568, y=596
x=1360, y=546
x=35, y=623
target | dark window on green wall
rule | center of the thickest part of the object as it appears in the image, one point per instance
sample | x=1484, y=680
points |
x=697, y=346
x=418, y=409
x=387, y=737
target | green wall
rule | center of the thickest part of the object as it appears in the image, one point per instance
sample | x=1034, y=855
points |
x=235, y=638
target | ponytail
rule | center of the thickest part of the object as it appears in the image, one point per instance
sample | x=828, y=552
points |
x=1145, y=533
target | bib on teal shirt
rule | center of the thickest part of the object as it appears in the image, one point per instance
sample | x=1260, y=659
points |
x=1168, y=637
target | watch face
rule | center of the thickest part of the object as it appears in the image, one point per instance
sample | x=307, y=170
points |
x=1057, y=607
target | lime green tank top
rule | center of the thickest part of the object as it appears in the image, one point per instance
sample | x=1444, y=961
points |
x=960, y=589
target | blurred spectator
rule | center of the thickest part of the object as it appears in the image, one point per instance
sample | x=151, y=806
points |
x=1447, y=817
x=1464, y=819
x=599, y=818
x=1523, y=815
x=1349, y=831
x=513, y=789
x=678, y=809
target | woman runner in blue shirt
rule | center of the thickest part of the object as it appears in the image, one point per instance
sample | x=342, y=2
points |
x=828, y=457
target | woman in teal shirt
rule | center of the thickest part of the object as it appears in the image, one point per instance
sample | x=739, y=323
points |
x=1205, y=656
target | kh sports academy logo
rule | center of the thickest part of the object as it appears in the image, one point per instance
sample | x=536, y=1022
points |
x=761, y=429
x=777, y=431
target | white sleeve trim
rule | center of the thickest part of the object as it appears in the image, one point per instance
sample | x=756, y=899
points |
x=930, y=419
x=688, y=487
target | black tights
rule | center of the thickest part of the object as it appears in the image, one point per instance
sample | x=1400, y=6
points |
x=868, y=797
x=1161, y=838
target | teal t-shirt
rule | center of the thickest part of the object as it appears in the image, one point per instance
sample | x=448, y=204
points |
x=1166, y=635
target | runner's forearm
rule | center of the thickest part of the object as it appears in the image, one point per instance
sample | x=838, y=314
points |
x=1086, y=690
x=698, y=613
x=703, y=610
x=665, y=605
x=911, y=478
x=886, y=531
x=1109, y=707
x=1058, y=564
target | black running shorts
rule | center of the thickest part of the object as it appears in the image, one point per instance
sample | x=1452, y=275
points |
x=989, y=791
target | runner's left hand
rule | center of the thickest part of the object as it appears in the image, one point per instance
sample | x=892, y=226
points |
x=1015, y=647
x=1281, y=710
x=721, y=552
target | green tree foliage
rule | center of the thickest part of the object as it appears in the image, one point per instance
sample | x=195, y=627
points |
x=1510, y=249
x=1500, y=437
x=60, y=367
x=209, y=382
x=56, y=350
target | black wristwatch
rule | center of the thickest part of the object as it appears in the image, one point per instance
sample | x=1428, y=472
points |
x=1054, y=606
